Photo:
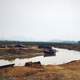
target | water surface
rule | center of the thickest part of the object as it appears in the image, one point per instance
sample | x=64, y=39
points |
x=62, y=56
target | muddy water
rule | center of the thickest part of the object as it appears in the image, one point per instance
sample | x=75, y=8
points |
x=62, y=56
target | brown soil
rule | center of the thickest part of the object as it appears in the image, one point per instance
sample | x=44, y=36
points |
x=70, y=71
x=12, y=53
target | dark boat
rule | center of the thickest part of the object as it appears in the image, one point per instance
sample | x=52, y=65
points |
x=49, y=52
x=6, y=66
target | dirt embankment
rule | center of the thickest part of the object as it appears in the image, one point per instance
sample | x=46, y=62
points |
x=12, y=53
x=70, y=71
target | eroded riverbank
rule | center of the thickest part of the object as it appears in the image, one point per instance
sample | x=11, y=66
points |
x=70, y=71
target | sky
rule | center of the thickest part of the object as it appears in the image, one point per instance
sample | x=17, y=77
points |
x=40, y=20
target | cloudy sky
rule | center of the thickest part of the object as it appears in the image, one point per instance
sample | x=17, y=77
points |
x=40, y=20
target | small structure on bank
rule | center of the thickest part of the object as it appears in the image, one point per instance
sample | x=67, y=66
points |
x=19, y=46
x=34, y=64
x=48, y=51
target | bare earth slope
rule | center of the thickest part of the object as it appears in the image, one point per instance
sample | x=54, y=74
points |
x=69, y=71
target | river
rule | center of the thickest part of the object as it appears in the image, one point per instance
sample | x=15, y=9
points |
x=62, y=56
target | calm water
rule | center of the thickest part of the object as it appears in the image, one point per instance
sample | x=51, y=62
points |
x=62, y=56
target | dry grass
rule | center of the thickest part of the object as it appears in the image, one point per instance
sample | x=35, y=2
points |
x=12, y=53
x=70, y=71
x=20, y=71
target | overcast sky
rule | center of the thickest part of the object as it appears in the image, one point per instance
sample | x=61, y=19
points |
x=40, y=20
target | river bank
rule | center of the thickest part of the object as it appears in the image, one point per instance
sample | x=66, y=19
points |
x=69, y=71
